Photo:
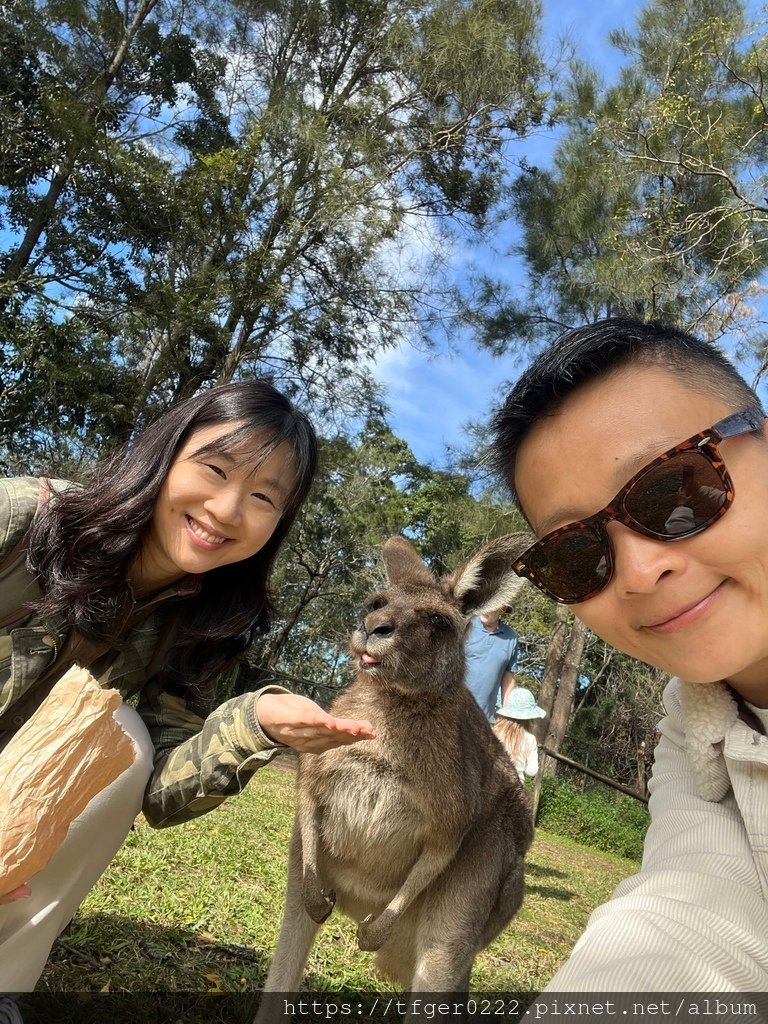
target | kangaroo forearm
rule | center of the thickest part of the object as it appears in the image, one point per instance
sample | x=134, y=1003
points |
x=426, y=869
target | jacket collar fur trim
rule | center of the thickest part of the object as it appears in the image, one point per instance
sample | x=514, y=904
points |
x=709, y=711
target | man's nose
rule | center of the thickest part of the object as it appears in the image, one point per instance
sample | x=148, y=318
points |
x=640, y=562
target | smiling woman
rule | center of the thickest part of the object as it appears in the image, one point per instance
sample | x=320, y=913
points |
x=213, y=501
x=640, y=458
x=154, y=574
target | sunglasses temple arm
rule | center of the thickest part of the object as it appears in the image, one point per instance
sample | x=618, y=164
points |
x=739, y=423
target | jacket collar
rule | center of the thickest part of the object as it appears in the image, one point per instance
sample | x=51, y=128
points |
x=709, y=713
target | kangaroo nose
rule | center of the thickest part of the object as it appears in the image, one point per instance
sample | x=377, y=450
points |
x=378, y=629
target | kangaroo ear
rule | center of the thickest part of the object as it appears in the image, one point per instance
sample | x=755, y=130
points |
x=404, y=564
x=487, y=581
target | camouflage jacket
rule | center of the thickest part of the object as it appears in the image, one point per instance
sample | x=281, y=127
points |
x=200, y=757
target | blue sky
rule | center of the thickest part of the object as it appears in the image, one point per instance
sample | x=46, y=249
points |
x=431, y=397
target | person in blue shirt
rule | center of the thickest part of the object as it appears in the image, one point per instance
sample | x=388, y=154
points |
x=491, y=650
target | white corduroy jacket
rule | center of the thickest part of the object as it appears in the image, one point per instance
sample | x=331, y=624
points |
x=695, y=918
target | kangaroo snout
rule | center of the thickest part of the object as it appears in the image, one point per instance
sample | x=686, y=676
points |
x=372, y=640
x=376, y=628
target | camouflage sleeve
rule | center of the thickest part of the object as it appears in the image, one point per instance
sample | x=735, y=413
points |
x=200, y=761
x=18, y=504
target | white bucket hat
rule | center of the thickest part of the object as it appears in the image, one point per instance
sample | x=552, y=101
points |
x=521, y=704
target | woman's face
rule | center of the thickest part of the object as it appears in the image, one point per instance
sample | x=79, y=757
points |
x=210, y=512
x=697, y=607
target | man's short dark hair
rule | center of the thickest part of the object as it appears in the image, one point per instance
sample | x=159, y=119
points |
x=593, y=351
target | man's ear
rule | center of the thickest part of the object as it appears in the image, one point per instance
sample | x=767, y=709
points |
x=487, y=581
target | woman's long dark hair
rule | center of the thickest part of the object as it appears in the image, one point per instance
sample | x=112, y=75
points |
x=82, y=543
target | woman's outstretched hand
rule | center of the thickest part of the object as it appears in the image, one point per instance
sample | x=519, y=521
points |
x=16, y=894
x=300, y=723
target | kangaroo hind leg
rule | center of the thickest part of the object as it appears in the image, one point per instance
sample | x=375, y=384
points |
x=297, y=933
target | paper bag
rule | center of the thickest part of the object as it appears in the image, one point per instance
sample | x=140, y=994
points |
x=69, y=750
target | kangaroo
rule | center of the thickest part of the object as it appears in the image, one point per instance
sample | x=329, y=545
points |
x=419, y=834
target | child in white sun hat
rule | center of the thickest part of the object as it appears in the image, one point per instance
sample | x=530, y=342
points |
x=511, y=728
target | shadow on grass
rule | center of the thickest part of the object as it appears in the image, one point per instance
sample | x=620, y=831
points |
x=549, y=892
x=537, y=869
x=111, y=968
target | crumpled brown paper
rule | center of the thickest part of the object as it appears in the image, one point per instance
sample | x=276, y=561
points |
x=69, y=750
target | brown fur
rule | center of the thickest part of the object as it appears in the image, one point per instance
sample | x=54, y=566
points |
x=418, y=835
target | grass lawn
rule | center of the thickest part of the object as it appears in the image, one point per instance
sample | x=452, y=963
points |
x=196, y=908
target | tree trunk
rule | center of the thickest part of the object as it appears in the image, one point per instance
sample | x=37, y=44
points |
x=641, y=776
x=552, y=669
x=566, y=691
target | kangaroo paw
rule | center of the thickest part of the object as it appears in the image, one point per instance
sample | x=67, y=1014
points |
x=318, y=902
x=373, y=932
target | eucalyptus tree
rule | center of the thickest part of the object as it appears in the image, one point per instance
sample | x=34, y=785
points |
x=86, y=90
x=206, y=191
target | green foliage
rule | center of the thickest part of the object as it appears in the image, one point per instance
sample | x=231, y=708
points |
x=597, y=817
x=64, y=376
x=655, y=202
x=209, y=217
x=613, y=728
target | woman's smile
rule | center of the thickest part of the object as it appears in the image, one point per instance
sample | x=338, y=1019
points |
x=204, y=537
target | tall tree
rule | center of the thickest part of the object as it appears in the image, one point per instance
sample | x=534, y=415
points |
x=81, y=86
x=655, y=201
x=86, y=90
x=568, y=681
x=283, y=214
x=551, y=673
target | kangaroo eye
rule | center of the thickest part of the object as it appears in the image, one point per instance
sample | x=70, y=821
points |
x=441, y=621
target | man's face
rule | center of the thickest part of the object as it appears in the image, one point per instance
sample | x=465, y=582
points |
x=491, y=618
x=697, y=607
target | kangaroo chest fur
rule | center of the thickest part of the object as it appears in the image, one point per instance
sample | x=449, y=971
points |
x=377, y=804
x=372, y=816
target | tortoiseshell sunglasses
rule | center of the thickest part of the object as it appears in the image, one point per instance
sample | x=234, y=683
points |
x=679, y=494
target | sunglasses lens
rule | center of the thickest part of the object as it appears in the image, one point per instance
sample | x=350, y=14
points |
x=573, y=564
x=677, y=497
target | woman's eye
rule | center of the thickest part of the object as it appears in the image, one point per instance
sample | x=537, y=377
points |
x=216, y=470
x=263, y=497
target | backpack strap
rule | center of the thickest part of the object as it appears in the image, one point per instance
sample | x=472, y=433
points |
x=18, y=553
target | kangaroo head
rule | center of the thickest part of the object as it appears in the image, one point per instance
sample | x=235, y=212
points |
x=412, y=633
